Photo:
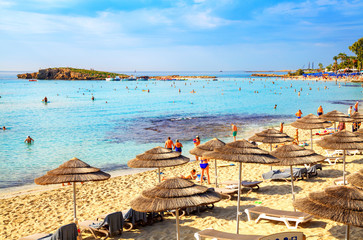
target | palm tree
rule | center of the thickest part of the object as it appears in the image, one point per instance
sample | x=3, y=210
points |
x=335, y=58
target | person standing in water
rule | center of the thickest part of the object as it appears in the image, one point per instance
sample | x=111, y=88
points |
x=234, y=131
x=298, y=114
x=169, y=144
x=178, y=146
x=29, y=140
x=320, y=110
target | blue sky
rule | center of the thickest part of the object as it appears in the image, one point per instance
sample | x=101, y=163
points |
x=127, y=35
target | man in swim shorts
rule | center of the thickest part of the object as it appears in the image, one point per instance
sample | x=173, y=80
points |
x=298, y=114
x=169, y=144
x=29, y=140
x=234, y=131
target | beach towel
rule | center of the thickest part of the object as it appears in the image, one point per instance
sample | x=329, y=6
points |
x=134, y=216
x=66, y=232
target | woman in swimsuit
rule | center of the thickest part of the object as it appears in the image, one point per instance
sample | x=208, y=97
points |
x=196, y=142
x=205, y=168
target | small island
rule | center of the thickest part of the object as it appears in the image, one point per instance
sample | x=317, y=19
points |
x=66, y=73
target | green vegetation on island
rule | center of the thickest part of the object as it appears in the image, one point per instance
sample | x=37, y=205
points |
x=67, y=73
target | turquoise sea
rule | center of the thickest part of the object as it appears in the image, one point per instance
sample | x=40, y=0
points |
x=107, y=135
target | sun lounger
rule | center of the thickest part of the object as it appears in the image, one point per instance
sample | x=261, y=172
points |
x=313, y=170
x=333, y=160
x=339, y=181
x=66, y=232
x=232, y=184
x=285, y=174
x=112, y=223
x=279, y=215
x=218, y=235
x=335, y=153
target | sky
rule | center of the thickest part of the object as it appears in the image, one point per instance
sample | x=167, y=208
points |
x=176, y=35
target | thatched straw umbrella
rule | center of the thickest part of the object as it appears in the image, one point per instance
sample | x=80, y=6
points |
x=72, y=171
x=158, y=157
x=208, y=147
x=356, y=179
x=359, y=132
x=342, y=141
x=342, y=204
x=271, y=136
x=336, y=116
x=241, y=151
x=174, y=194
x=310, y=122
x=290, y=155
x=357, y=117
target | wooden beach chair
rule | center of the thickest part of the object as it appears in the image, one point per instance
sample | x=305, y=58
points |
x=279, y=215
x=214, y=234
x=112, y=223
x=66, y=232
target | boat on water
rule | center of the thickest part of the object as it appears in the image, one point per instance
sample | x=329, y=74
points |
x=109, y=79
x=117, y=78
x=131, y=78
x=143, y=78
x=33, y=80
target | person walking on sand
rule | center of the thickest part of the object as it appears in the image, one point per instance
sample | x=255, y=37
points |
x=178, y=146
x=205, y=169
x=234, y=131
x=298, y=114
x=350, y=111
x=320, y=111
x=282, y=127
x=169, y=144
x=29, y=140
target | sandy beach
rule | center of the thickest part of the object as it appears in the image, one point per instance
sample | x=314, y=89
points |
x=45, y=211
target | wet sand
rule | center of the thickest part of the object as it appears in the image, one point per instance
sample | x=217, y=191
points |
x=45, y=211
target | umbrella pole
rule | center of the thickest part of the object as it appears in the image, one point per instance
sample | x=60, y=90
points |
x=159, y=174
x=271, y=151
x=344, y=183
x=311, y=138
x=347, y=229
x=335, y=127
x=239, y=194
x=177, y=224
x=74, y=203
x=292, y=186
x=216, y=173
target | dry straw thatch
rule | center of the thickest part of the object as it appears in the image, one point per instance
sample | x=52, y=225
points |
x=158, y=157
x=336, y=116
x=207, y=147
x=342, y=204
x=310, y=122
x=356, y=179
x=174, y=193
x=73, y=170
x=241, y=151
x=271, y=136
x=290, y=155
x=357, y=117
x=342, y=140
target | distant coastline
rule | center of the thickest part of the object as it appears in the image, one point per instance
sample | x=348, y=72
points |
x=85, y=74
x=273, y=71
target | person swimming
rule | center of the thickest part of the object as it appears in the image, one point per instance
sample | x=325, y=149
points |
x=178, y=146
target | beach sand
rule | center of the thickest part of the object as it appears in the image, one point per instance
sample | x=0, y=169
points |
x=45, y=211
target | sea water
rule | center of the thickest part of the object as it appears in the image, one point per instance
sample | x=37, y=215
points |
x=125, y=119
